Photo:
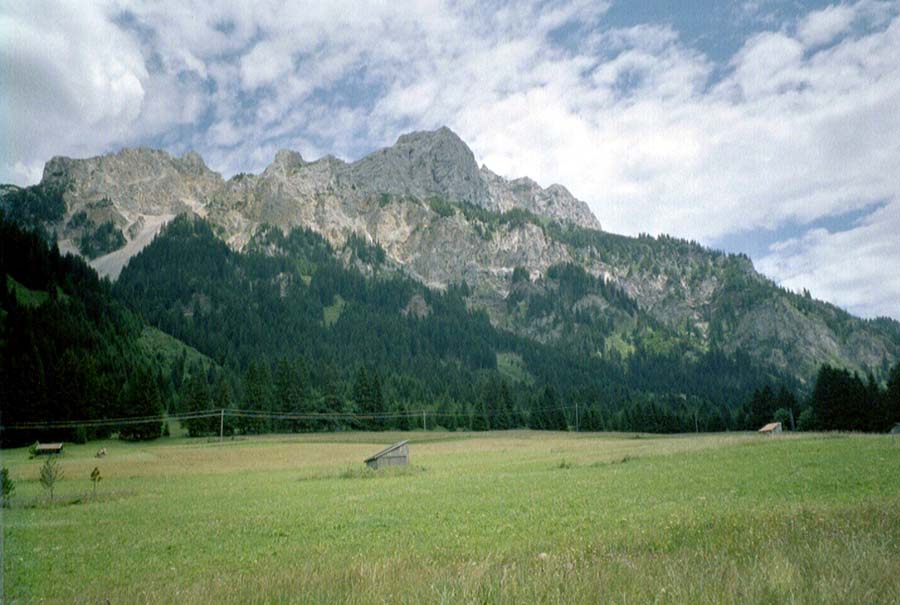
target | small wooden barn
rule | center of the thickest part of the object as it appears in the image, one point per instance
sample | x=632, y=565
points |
x=771, y=429
x=45, y=449
x=395, y=455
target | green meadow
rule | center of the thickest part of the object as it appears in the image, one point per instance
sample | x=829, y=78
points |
x=511, y=517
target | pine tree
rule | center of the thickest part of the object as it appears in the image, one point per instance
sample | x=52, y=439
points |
x=555, y=416
x=222, y=401
x=255, y=398
x=506, y=408
x=891, y=399
x=143, y=401
x=286, y=395
x=363, y=400
x=198, y=399
x=376, y=396
x=536, y=416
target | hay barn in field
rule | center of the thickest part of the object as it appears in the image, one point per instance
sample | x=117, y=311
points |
x=395, y=455
x=45, y=449
x=771, y=429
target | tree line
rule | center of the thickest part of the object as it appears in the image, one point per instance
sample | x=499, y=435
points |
x=840, y=400
x=291, y=328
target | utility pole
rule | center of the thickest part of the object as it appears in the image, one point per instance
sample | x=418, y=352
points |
x=221, y=425
x=576, y=416
x=424, y=424
x=696, y=423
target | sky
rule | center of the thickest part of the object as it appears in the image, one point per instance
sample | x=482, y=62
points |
x=769, y=127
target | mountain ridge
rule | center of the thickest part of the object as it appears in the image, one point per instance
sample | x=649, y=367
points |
x=441, y=219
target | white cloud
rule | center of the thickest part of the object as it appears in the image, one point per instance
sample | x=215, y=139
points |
x=72, y=80
x=821, y=27
x=800, y=124
x=855, y=268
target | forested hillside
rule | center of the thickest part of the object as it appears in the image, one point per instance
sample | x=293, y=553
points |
x=534, y=260
x=297, y=328
x=68, y=350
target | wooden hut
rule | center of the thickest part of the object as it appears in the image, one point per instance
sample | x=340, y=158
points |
x=395, y=455
x=45, y=449
x=771, y=429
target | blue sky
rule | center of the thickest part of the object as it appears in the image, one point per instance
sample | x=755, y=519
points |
x=762, y=126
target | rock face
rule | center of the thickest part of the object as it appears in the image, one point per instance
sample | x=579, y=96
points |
x=136, y=181
x=423, y=165
x=554, y=202
x=441, y=219
x=136, y=190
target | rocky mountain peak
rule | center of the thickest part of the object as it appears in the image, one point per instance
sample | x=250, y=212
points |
x=286, y=163
x=192, y=163
x=424, y=164
x=443, y=136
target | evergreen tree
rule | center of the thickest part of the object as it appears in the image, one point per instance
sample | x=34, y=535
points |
x=761, y=408
x=807, y=420
x=198, y=399
x=364, y=400
x=288, y=396
x=553, y=413
x=255, y=399
x=143, y=400
x=222, y=400
x=891, y=400
x=332, y=400
x=508, y=417
x=480, y=419
x=536, y=415
x=839, y=400
x=376, y=395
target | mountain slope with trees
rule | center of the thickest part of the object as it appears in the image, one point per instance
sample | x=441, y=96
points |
x=69, y=350
x=431, y=214
x=338, y=338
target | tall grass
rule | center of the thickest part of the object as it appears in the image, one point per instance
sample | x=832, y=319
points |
x=498, y=517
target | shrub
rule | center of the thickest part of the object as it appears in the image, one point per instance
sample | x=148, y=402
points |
x=9, y=486
x=807, y=420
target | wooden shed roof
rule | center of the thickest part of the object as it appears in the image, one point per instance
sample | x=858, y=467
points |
x=49, y=447
x=770, y=427
x=387, y=450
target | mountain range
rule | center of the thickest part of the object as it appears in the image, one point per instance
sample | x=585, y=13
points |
x=534, y=259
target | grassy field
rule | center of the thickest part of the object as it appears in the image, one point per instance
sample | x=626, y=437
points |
x=516, y=517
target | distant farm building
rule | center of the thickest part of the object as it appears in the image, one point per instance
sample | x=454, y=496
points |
x=45, y=449
x=396, y=455
x=771, y=429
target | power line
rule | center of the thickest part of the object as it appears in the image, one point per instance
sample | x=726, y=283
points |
x=258, y=414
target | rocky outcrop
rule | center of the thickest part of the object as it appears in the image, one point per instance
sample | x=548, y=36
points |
x=423, y=165
x=554, y=202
